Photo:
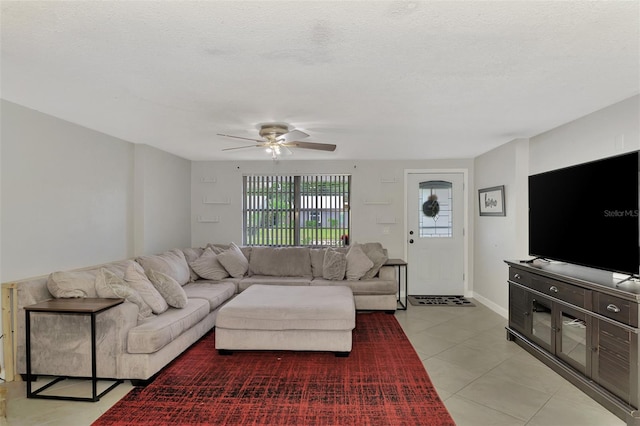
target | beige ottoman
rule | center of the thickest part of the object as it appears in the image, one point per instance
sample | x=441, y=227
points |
x=274, y=317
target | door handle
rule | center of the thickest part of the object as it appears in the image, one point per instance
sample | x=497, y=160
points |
x=553, y=288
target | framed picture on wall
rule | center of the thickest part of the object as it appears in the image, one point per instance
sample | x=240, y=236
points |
x=492, y=201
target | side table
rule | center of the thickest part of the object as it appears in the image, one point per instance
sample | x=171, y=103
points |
x=401, y=265
x=85, y=306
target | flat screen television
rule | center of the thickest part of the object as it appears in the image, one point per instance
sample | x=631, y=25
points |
x=588, y=214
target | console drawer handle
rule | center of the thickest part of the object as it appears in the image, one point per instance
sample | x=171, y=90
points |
x=553, y=288
x=613, y=308
x=517, y=276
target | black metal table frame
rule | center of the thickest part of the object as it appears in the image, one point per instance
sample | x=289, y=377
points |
x=94, y=370
x=401, y=264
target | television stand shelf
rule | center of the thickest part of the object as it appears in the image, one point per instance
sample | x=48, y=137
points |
x=586, y=331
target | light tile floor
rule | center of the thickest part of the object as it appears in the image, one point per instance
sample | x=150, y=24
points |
x=482, y=378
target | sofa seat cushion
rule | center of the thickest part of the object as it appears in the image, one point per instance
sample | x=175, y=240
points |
x=281, y=261
x=264, y=307
x=374, y=286
x=215, y=294
x=246, y=282
x=157, y=332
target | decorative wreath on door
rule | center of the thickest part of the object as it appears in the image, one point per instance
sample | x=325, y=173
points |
x=431, y=208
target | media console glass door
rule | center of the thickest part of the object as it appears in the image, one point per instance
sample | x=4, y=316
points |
x=542, y=322
x=573, y=341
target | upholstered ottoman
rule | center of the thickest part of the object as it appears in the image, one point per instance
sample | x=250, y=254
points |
x=274, y=317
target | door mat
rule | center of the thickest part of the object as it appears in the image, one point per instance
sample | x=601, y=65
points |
x=439, y=301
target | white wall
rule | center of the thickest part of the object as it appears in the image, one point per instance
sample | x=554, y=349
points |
x=72, y=197
x=500, y=237
x=367, y=184
x=66, y=195
x=163, y=201
x=604, y=133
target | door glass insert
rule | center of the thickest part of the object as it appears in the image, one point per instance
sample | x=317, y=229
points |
x=541, y=320
x=574, y=337
x=435, y=216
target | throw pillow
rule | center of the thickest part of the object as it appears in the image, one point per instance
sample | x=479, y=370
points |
x=334, y=265
x=136, y=278
x=376, y=253
x=190, y=255
x=72, y=284
x=357, y=263
x=234, y=261
x=111, y=286
x=208, y=267
x=172, y=263
x=317, y=259
x=170, y=289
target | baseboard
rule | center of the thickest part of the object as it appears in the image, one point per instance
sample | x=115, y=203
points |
x=491, y=305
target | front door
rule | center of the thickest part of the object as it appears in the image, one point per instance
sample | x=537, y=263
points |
x=435, y=226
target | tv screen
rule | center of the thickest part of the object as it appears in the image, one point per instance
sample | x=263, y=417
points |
x=588, y=214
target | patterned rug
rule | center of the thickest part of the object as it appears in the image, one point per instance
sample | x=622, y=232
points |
x=439, y=301
x=382, y=382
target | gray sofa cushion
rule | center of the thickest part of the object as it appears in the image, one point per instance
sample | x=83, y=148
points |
x=172, y=263
x=377, y=254
x=335, y=265
x=157, y=332
x=357, y=263
x=169, y=288
x=111, y=286
x=208, y=267
x=191, y=254
x=268, y=280
x=373, y=286
x=216, y=294
x=289, y=308
x=67, y=284
x=234, y=261
x=317, y=258
x=281, y=261
x=138, y=280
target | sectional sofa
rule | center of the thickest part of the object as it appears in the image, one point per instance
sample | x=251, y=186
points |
x=172, y=300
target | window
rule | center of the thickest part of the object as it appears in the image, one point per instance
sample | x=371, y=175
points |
x=436, y=215
x=310, y=210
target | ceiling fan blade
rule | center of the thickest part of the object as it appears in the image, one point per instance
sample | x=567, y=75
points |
x=312, y=145
x=242, y=147
x=292, y=136
x=240, y=137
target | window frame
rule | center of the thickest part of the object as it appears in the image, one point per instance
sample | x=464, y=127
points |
x=327, y=197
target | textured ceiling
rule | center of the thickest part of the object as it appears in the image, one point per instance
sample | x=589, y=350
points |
x=382, y=80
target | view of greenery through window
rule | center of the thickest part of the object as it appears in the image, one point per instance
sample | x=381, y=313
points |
x=296, y=210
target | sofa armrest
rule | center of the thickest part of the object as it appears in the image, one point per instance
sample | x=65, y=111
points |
x=387, y=273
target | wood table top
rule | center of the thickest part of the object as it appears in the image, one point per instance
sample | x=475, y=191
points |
x=75, y=305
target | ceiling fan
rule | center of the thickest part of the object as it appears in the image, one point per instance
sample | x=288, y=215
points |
x=277, y=138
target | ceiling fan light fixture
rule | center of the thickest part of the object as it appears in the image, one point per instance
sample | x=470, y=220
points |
x=277, y=137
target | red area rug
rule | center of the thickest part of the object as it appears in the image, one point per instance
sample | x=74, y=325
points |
x=382, y=382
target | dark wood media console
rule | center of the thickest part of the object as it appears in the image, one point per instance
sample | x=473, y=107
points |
x=587, y=331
